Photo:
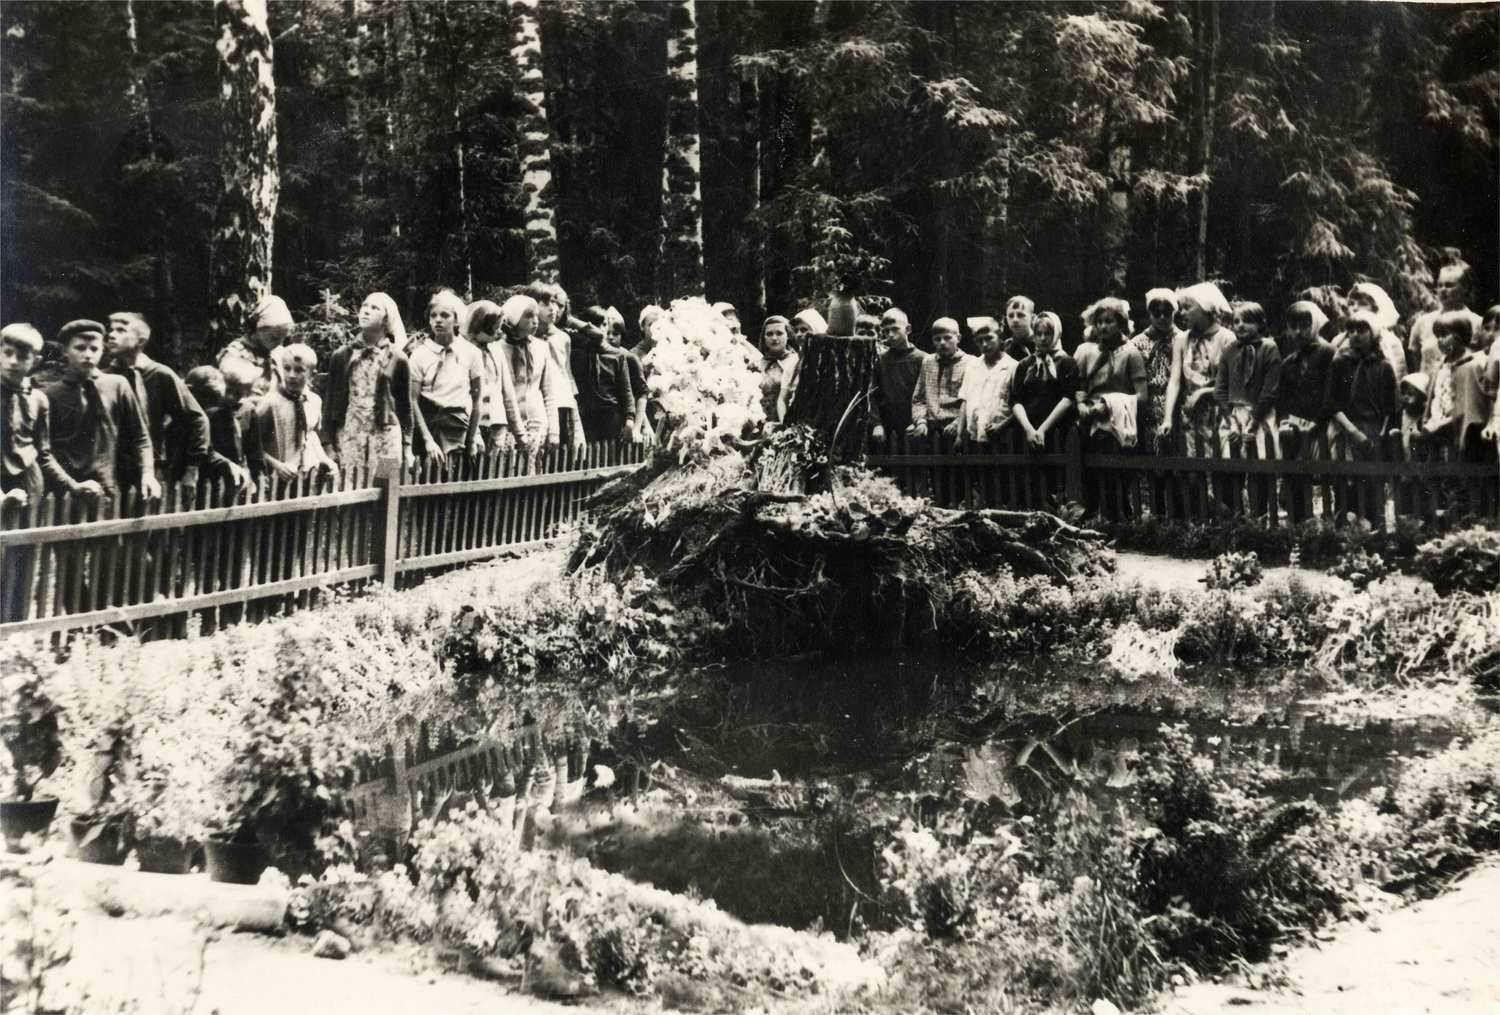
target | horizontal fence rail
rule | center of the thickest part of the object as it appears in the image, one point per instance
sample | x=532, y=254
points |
x=1010, y=474
x=226, y=555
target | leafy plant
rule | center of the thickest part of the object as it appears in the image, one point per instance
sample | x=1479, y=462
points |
x=1464, y=561
x=30, y=724
x=1233, y=571
x=289, y=763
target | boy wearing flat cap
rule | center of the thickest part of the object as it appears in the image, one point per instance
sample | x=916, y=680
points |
x=100, y=437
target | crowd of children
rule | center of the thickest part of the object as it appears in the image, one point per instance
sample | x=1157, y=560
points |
x=1203, y=379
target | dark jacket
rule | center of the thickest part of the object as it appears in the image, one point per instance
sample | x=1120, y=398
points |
x=394, y=392
x=26, y=430
x=112, y=445
x=1305, y=375
x=178, y=425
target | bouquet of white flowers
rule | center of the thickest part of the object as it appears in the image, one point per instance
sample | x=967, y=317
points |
x=705, y=379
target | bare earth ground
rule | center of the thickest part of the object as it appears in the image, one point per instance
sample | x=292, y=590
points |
x=153, y=963
x=1441, y=957
x=1175, y=573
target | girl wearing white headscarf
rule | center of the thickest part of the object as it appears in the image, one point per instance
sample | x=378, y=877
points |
x=1042, y=388
x=532, y=371
x=269, y=325
x=368, y=398
x=1155, y=344
x=1195, y=365
x=1373, y=300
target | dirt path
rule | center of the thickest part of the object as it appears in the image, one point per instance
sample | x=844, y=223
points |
x=160, y=964
x=1178, y=573
x=1441, y=957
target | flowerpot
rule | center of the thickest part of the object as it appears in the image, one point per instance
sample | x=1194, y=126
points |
x=98, y=842
x=235, y=863
x=25, y=817
x=162, y=854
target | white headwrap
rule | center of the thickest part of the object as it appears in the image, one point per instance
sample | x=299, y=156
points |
x=1205, y=295
x=1160, y=295
x=393, y=325
x=270, y=312
x=1385, y=308
x=513, y=309
x=1312, y=310
x=813, y=320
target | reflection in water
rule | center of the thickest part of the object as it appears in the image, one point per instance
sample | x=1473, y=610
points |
x=1029, y=760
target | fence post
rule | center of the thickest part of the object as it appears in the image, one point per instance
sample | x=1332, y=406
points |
x=1073, y=474
x=387, y=521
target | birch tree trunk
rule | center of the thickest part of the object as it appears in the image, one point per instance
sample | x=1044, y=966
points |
x=539, y=211
x=680, y=268
x=245, y=219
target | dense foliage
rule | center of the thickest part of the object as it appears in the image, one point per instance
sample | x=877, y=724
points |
x=945, y=154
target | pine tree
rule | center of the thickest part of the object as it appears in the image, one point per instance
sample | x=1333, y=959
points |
x=245, y=220
x=680, y=271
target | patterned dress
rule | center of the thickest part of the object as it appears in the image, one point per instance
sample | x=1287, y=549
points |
x=361, y=444
x=1200, y=416
x=1157, y=355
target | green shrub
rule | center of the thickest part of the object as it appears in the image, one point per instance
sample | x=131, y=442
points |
x=1466, y=561
x=1230, y=571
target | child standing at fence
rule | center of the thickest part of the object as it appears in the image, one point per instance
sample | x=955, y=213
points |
x=283, y=437
x=532, y=372
x=1362, y=396
x=986, y=383
x=1373, y=300
x=228, y=396
x=100, y=437
x=499, y=424
x=368, y=399
x=936, y=401
x=28, y=466
x=1457, y=406
x=1195, y=362
x=1245, y=392
x=551, y=308
x=449, y=380
x=1041, y=392
x=896, y=373
x=1111, y=377
x=1302, y=400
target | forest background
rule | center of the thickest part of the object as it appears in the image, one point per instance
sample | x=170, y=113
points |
x=178, y=158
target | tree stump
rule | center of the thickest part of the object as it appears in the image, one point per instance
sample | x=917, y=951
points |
x=834, y=374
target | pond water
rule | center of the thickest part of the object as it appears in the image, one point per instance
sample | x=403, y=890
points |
x=769, y=781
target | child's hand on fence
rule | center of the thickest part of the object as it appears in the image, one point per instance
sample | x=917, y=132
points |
x=150, y=488
x=91, y=488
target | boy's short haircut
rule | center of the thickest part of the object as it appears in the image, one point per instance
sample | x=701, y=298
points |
x=205, y=380
x=1250, y=311
x=74, y=329
x=1454, y=322
x=23, y=334
x=299, y=353
x=240, y=372
x=540, y=291
x=134, y=317
x=1492, y=316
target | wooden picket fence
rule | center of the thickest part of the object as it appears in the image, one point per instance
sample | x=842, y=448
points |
x=225, y=556
x=1014, y=476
